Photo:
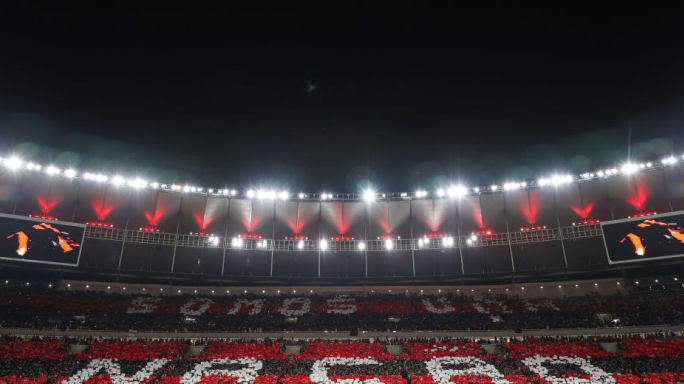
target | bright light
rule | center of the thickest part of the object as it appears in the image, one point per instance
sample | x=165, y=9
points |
x=32, y=166
x=118, y=180
x=494, y=188
x=52, y=170
x=233, y=192
x=283, y=195
x=440, y=192
x=154, y=185
x=137, y=183
x=324, y=196
x=448, y=241
x=236, y=242
x=250, y=194
x=323, y=245
x=457, y=191
x=213, y=240
x=13, y=163
x=361, y=245
x=629, y=168
x=420, y=243
x=368, y=195
x=301, y=195
x=476, y=190
x=261, y=194
x=70, y=173
x=669, y=160
x=389, y=244
x=421, y=193
x=300, y=244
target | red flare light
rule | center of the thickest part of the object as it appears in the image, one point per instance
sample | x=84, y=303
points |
x=434, y=235
x=587, y=222
x=200, y=233
x=642, y=213
x=100, y=224
x=149, y=228
x=44, y=217
x=342, y=238
x=297, y=237
x=532, y=228
x=484, y=232
x=250, y=236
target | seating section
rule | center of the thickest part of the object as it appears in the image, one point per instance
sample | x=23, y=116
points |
x=653, y=359
x=375, y=312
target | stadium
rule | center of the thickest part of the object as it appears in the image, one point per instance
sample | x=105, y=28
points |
x=259, y=195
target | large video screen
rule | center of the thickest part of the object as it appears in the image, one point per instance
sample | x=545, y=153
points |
x=645, y=238
x=40, y=241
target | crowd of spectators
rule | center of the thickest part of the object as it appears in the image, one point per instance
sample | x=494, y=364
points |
x=380, y=312
x=634, y=359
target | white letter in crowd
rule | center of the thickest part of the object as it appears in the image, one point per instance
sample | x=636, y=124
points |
x=536, y=365
x=319, y=370
x=441, y=305
x=196, y=307
x=254, y=306
x=476, y=367
x=341, y=305
x=113, y=369
x=244, y=375
x=143, y=305
x=295, y=306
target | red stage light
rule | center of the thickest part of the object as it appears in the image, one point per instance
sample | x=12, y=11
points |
x=642, y=213
x=149, y=229
x=342, y=238
x=200, y=233
x=297, y=237
x=100, y=224
x=532, y=228
x=250, y=236
x=587, y=222
x=434, y=235
x=44, y=217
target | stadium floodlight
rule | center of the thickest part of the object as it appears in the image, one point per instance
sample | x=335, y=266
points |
x=324, y=196
x=323, y=244
x=118, y=180
x=494, y=188
x=361, y=245
x=233, y=192
x=368, y=195
x=629, y=168
x=154, y=185
x=236, y=242
x=301, y=195
x=420, y=243
x=52, y=170
x=137, y=183
x=448, y=241
x=283, y=195
x=13, y=163
x=300, y=244
x=476, y=189
x=421, y=194
x=70, y=173
x=457, y=191
x=250, y=194
x=389, y=244
x=440, y=192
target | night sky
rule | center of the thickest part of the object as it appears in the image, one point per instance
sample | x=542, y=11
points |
x=329, y=98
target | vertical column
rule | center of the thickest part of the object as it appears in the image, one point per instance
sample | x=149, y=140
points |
x=175, y=243
x=669, y=199
x=320, y=208
x=558, y=224
x=273, y=236
x=125, y=231
x=459, y=242
x=76, y=201
x=19, y=193
x=365, y=235
x=508, y=232
x=413, y=248
x=225, y=237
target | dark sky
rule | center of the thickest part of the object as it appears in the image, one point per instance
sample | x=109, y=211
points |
x=405, y=95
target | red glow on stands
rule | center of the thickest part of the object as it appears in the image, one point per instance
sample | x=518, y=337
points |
x=201, y=233
x=45, y=205
x=341, y=226
x=477, y=216
x=149, y=229
x=100, y=224
x=531, y=207
x=202, y=222
x=250, y=225
x=638, y=194
x=153, y=219
x=385, y=237
x=342, y=238
x=385, y=226
x=532, y=228
x=102, y=210
x=44, y=217
x=433, y=225
x=587, y=222
x=250, y=236
x=484, y=232
x=434, y=235
x=296, y=228
x=583, y=212
x=642, y=213
x=297, y=237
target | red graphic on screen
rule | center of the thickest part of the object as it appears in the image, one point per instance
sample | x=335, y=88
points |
x=26, y=239
x=22, y=240
x=639, y=248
